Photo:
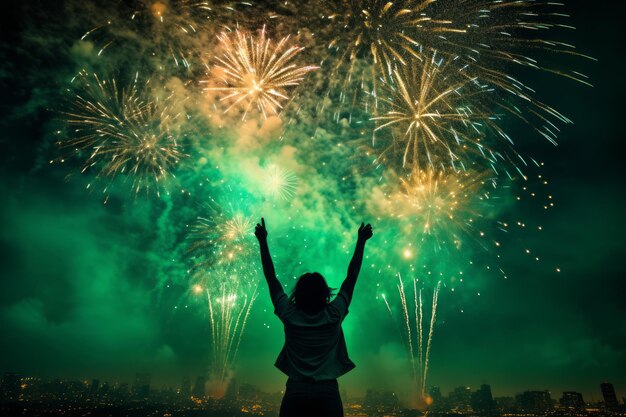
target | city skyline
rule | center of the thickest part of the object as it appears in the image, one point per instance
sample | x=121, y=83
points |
x=590, y=397
x=33, y=393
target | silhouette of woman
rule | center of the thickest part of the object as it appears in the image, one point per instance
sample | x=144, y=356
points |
x=314, y=354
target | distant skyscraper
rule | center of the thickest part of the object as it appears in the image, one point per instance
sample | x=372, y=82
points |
x=10, y=386
x=232, y=391
x=573, y=400
x=185, y=387
x=608, y=392
x=199, y=388
x=248, y=392
x=141, y=389
x=535, y=401
x=461, y=397
x=380, y=401
x=95, y=384
x=123, y=389
x=435, y=395
x=506, y=404
x=482, y=400
x=104, y=388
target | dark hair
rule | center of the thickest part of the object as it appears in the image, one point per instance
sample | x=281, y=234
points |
x=311, y=293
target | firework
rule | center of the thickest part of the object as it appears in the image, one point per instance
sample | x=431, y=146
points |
x=435, y=119
x=503, y=34
x=485, y=39
x=220, y=239
x=230, y=296
x=510, y=32
x=220, y=252
x=163, y=32
x=157, y=29
x=416, y=335
x=382, y=33
x=279, y=182
x=123, y=131
x=255, y=72
x=442, y=207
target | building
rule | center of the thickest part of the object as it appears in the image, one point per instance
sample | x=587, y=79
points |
x=505, y=404
x=380, y=402
x=435, y=397
x=534, y=401
x=10, y=386
x=95, y=384
x=232, y=390
x=141, y=388
x=185, y=387
x=572, y=400
x=610, y=399
x=248, y=392
x=460, y=398
x=482, y=400
x=435, y=393
x=199, y=389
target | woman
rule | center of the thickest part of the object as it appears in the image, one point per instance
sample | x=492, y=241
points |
x=314, y=354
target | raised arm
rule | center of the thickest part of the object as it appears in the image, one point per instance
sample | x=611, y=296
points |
x=266, y=259
x=365, y=232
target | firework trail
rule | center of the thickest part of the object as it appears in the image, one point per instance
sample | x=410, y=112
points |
x=407, y=324
x=230, y=299
x=220, y=251
x=255, y=72
x=414, y=325
x=417, y=300
x=123, y=131
x=384, y=297
x=430, y=335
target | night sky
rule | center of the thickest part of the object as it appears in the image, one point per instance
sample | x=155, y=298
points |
x=95, y=290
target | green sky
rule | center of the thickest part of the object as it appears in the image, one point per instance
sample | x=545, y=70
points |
x=101, y=290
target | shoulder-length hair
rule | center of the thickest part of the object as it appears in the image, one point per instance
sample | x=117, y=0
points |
x=311, y=293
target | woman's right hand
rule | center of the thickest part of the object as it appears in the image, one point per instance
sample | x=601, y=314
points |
x=260, y=231
x=365, y=232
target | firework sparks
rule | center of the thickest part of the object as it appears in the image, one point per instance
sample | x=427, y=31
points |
x=220, y=247
x=388, y=31
x=122, y=131
x=503, y=34
x=437, y=206
x=434, y=115
x=385, y=33
x=230, y=296
x=280, y=183
x=413, y=329
x=255, y=72
x=220, y=239
x=165, y=32
x=485, y=39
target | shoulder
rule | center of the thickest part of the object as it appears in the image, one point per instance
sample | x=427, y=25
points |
x=339, y=305
x=282, y=305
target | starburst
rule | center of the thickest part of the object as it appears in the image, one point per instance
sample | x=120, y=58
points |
x=256, y=73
